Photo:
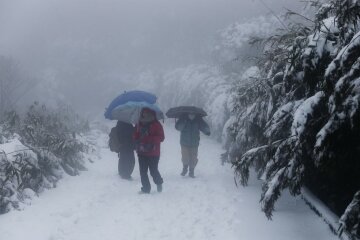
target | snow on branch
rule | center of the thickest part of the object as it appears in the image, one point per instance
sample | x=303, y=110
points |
x=350, y=220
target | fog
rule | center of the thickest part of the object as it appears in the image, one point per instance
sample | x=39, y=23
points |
x=79, y=48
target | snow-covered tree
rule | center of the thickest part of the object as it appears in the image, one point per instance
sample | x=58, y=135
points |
x=350, y=220
x=201, y=85
x=298, y=121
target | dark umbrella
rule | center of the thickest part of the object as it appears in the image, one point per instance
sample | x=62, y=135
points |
x=177, y=112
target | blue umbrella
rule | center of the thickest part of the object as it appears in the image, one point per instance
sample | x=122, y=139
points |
x=130, y=96
x=130, y=112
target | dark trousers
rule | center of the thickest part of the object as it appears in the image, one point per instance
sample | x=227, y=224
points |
x=126, y=162
x=150, y=163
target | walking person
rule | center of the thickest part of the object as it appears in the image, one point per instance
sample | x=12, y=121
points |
x=190, y=126
x=126, y=155
x=148, y=135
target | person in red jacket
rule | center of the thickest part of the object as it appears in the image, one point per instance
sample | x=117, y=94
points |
x=148, y=135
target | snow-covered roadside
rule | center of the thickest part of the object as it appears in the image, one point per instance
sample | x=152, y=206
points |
x=99, y=205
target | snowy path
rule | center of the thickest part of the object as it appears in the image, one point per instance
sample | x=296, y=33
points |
x=98, y=205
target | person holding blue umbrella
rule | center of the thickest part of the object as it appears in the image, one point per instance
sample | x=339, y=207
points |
x=148, y=136
x=139, y=107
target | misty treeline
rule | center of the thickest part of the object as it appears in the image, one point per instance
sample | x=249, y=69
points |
x=296, y=117
x=41, y=145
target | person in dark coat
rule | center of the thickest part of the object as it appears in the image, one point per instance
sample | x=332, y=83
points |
x=190, y=126
x=148, y=135
x=126, y=163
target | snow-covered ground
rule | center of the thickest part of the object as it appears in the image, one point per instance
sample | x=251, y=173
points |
x=99, y=205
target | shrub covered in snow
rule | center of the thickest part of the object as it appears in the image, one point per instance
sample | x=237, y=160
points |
x=36, y=150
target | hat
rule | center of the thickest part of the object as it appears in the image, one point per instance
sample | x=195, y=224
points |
x=147, y=110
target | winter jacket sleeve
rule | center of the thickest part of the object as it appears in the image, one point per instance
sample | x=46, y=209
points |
x=180, y=124
x=204, y=127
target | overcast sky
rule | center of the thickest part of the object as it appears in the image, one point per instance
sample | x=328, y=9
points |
x=125, y=32
x=80, y=38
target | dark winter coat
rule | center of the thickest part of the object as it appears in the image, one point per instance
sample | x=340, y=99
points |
x=125, y=135
x=148, y=138
x=190, y=130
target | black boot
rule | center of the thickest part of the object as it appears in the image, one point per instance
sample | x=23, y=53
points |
x=185, y=170
x=191, y=173
x=144, y=191
x=129, y=178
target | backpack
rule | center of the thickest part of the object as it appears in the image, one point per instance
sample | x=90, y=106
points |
x=114, y=143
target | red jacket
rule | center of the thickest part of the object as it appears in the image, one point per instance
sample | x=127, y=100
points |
x=148, y=138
